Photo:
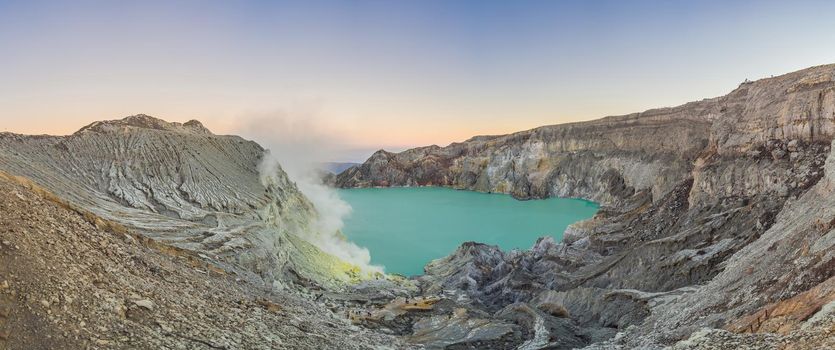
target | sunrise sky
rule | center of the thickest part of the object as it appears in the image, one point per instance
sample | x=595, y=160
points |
x=365, y=75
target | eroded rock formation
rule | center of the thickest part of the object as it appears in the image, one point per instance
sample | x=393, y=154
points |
x=182, y=185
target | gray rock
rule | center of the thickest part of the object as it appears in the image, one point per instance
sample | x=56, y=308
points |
x=778, y=154
x=145, y=304
x=461, y=329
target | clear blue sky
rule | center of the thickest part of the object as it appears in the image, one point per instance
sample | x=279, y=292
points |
x=376, y=74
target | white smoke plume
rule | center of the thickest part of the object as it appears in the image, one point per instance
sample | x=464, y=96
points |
x=299, y=142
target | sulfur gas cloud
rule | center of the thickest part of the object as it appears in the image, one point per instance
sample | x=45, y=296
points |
x=298, y=144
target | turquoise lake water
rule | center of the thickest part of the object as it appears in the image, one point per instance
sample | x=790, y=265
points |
x=405, y=228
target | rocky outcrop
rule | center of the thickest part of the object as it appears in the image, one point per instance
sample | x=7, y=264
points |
x=715, y=214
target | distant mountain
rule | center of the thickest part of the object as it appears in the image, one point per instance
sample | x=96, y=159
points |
x=337, y=167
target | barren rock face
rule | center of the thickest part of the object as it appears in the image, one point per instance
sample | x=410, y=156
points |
x=605, y=160
x=773, y=284
x=177, y=183
x=795, y=106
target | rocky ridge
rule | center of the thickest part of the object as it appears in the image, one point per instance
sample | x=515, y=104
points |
x=184, y=186
x=610, y=159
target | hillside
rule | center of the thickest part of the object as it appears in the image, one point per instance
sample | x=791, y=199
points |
x=71, y=280
x=182, y=185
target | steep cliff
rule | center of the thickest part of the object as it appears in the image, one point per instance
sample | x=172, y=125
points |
x=606, y=160
x=610, y=159
x=714, y=212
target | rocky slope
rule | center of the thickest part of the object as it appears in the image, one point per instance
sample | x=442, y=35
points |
x=182, y=185
x=140, y=233
x=72, y=280
x=715, y=215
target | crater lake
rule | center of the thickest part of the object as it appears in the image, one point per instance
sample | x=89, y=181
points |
x=405, y=228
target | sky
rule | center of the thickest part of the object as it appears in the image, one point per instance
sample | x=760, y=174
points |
x=365, y=75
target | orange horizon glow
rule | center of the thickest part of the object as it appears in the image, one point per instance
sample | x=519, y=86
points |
x=398, y=74
x=404, y=135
